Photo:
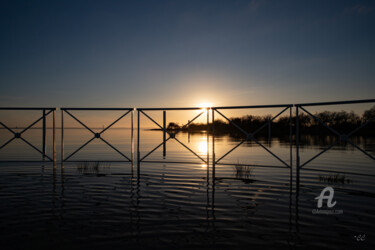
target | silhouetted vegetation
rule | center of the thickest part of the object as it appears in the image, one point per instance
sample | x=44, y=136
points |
x=337, y=178
x=243, y=171
x=344, y=122
x=93, y=167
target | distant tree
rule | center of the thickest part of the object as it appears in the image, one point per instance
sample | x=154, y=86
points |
x=283, y=121
x=338, y=118
x=304, y=120
x=325, y=116
x=353, y=118
x=220, y=123
x=267, y=117
x=369, y=114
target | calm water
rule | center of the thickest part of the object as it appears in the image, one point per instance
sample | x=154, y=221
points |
x=183, y=205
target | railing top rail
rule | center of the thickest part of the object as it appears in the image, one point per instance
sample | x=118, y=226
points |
x=25, y=108
x=190, y=108
x=201, y=108
x=97, y=108
x=254, y=106
x=335, y=103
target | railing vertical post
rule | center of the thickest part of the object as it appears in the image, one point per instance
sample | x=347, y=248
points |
x=291, y=135
x=138, y=153
x=297, y=168
x=164, y=134
x=269, y=132
x=291, y=163
x=208, y=135
x=213, y=162
x=138, y=124
x=297, y=146
x=62, y=137
x=44, y=134
x=54, y=137
x=132, y=136
x=297, y=135
x=213, y=144
x=188, y=127
x=291, y=168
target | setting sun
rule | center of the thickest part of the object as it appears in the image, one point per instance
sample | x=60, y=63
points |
x=205, y=105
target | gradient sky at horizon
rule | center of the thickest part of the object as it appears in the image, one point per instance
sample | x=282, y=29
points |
x=184, y=53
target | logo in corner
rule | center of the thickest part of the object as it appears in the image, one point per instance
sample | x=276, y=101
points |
x=329, y=197
x=326, y=194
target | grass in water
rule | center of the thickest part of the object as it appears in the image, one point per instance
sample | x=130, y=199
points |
x=243, y=171
x=337, y=178
x=92, y=167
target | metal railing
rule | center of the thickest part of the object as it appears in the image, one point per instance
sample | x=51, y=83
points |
x=96, y=135
x=250, y=136
x=341, y=137
x=18, y=135
x=171, y=135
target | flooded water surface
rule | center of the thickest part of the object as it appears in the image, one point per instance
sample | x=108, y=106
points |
x=249, y=199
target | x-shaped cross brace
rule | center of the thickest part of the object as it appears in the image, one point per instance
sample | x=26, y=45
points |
x=172, y=136
x=96, y=135
x=343, y=137
x=250, y=136
x=18, y=135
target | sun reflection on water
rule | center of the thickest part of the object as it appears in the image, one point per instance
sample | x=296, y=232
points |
x=203, y=146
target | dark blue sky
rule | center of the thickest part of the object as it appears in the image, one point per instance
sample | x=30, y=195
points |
x=183, y=53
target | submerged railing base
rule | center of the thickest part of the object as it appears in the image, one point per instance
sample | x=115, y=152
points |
x=96, y=135
x=18, y=135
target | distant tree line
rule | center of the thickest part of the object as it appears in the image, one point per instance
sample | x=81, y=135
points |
x=344, y=122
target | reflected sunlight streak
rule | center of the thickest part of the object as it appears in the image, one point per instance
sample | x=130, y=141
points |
x=203, y=146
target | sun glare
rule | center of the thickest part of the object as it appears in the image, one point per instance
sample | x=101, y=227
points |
x=205, y=105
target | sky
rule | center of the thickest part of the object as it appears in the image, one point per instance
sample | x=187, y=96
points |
x=185, y=53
